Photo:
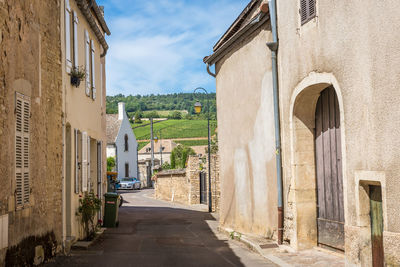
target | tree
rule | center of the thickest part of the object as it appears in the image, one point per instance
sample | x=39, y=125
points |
x=179, y=156
x=176, y=115
x=110, y=164
x=138, y=116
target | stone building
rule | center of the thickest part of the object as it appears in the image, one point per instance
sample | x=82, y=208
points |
x=31, y=113
x=246, y=124
x=83, y=46
x=122, y=144
x=162, y=150
x=338, y=76
x=339, y=91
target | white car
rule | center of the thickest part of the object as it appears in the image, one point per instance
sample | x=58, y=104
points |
x=129, y=183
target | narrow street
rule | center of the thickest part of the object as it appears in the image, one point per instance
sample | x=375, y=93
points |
x=158, y=233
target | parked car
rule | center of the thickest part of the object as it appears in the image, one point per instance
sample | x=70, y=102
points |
x=129, y=183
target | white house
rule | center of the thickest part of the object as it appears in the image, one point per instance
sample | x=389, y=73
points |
x=122, y=144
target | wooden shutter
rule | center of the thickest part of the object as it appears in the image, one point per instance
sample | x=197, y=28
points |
x=76, y=161
x=89, y=178
x=68, y=36
x=93, y=70
x=22, y=139
x=76, y=53
x=101, y=84
x=99, y=174
x=84, y=162
x=307, y=10
x=87, y=63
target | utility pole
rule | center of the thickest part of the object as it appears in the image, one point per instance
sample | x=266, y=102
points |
x=161, y=149
x=152, y=146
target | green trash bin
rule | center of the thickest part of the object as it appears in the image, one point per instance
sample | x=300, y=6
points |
x=111, y=209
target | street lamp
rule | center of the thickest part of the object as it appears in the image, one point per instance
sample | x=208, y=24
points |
x=197, y=109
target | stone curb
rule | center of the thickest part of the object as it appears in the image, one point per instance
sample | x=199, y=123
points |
x=253, y=246
x=84, y=245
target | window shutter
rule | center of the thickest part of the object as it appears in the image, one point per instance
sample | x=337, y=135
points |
x=87, y=64
x=68, y=36
x=307, y=10
x=88, y=165
x=76, y=53
x=311, y=9
x=76, y=161
x=84, y=162
x=27, y=116
x=93, y=70
x=101, y=84
x=22, y=132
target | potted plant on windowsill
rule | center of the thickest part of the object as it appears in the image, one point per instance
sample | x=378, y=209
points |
x=77, y=74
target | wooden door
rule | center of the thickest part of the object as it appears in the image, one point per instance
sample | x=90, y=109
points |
x=330, y=217
x=375, y=194
x=203, y=188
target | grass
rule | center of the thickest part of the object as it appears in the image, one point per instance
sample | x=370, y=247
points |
x=202, y=142
x=172, y=129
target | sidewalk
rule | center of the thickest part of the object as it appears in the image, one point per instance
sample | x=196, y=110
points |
x=284, y=255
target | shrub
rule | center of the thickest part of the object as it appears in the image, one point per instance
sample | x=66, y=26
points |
x=89, y=205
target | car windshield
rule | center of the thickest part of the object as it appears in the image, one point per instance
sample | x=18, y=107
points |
x=127, y=180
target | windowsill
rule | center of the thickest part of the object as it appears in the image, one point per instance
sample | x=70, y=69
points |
x=308, y=26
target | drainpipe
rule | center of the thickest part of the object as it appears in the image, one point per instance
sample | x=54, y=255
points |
x=273, y=46
x=209, y=71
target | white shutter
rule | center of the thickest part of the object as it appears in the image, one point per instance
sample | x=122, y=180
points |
x=68, y=36
x=76, y=161
x=84, y=162
x=93, y=70
x=76, y=53
x=87, y=63
x=23, y=113
x=88, y=165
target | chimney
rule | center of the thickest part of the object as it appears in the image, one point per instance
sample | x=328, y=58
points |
x=102, y=10
x=121, y=111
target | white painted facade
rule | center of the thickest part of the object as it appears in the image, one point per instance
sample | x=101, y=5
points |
x=130, y=156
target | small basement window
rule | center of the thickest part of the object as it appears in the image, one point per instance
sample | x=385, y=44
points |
x=307, y=10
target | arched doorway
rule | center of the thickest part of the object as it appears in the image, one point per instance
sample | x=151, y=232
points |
x=328, y=163
x=306, y=193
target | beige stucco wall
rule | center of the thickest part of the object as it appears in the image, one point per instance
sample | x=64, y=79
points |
x=246, y=137
x=352, y=45
x=30, y=64
x=82, y=112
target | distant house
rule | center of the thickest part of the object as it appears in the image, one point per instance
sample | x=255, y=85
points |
x=122, y=144
x=162, y=150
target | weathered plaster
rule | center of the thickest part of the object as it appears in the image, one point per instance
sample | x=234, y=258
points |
x=246, y=137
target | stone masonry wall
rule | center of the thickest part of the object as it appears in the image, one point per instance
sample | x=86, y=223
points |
x=183, y=185
x=30, y=63
x=172, y=185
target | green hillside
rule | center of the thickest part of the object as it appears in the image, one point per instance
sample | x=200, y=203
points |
x=161, y=103
x=173, y=129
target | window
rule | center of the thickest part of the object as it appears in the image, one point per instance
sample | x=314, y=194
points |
x=22, y=137
x=307, y=10
x=126, y=169
x=71, y=37
x=126, y=143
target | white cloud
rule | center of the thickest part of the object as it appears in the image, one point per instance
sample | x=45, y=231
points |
x=158, y=46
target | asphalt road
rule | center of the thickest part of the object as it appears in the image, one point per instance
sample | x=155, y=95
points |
x=159, y=233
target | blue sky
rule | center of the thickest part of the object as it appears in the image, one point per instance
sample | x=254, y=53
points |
x=157, y=47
